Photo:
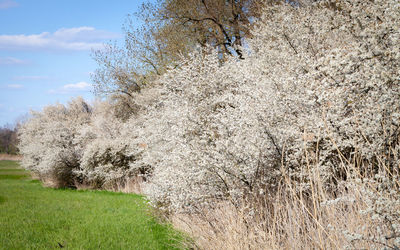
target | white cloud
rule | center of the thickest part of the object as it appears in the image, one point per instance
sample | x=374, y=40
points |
x=15, y=86
x=6, y=4
x=72, y=87
x=80, y=38
x=77, y=86
x=11, y=61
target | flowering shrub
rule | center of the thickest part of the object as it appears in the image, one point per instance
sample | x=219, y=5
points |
x=320, y=82
x=381, y=197
x=112, y=150
x=48, y=142
x=336, y=72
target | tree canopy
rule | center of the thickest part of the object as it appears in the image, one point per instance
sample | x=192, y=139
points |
x=172, y=29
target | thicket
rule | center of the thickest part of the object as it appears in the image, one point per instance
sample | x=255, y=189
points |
x=305, y=129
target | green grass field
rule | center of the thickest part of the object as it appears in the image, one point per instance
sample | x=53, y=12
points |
x=34, y=217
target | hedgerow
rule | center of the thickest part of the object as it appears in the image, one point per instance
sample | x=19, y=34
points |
x=317, y=95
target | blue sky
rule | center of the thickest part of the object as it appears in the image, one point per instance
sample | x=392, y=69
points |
x=45, y=48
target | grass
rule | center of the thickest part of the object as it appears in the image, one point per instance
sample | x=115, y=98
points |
x=34, y=217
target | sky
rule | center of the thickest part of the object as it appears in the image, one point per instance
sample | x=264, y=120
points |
x=46, y=46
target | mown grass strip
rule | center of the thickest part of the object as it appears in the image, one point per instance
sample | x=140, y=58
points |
x=12, y=176
x=9, y=164
x=32, y=216
x=11, y=170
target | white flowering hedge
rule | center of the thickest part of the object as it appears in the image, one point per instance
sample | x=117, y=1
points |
x=320, y=85
x=48, y=141
x=113, y=150
x=318, y=91
x=80, y=144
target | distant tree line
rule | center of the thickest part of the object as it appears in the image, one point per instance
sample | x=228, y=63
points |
x=8, y=140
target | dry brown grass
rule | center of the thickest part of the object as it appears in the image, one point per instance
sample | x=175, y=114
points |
x=132, y=185
x=128, y=185
x=287, y=220
x=8, y=157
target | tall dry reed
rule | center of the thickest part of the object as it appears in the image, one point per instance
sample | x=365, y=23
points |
x=364, y=213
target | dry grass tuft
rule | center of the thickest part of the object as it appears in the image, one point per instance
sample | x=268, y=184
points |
x=132, y=185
